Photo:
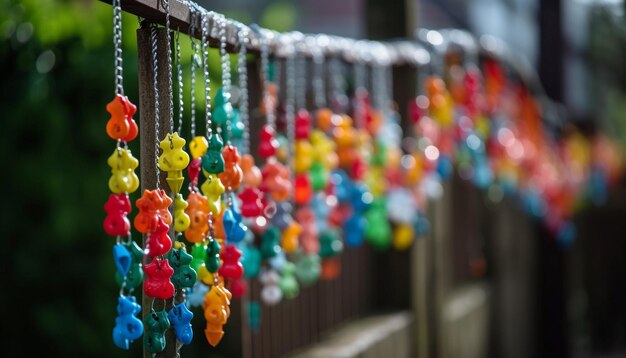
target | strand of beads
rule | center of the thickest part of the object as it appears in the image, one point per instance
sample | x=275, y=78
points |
x=174, y=160
x=217, y=300
x=154, y=220
x=350, y=197
x=282, y=220
x=275, y=185
x=231, y=269
x=127, y=255
x=329, y=242
x=249, y=195
x=198, y=207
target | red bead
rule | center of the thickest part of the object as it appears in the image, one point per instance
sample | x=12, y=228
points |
x=239, y=288
x=303, y=192
x=308, y=236
x=117, y=208
x=358, y=169
x=157, y=283
x=251, y=204
x=194, y=170
x=267, y=143
x=302, y=124
x=231, y=268
x=158, y=242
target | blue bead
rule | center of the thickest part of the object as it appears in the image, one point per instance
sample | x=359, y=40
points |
x=127, y=327
x=180, y=318
x=122, y=259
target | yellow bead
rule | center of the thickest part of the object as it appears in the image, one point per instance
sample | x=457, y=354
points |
x=289, y=239
x=482, y=126
x=181, y=219
x=123, y=178
x=302, y=156
x=204, y=275
x=198, y=147
x=403, y=237
x=213, y=189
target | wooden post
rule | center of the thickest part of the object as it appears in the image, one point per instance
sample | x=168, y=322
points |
x=147, y=142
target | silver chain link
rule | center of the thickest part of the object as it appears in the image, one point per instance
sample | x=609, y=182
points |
x=179, y=70
x=243, y=91
x=336, y=81
x=194, y=65
x=225, y=61
x=166, y=5
x=265, y=69
x=291, y=71
x=300, y=86
x=207, y=79
x=117, y=45
x=319, y=85
x=155, y=71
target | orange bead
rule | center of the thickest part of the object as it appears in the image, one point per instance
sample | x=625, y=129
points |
x=198, y=211
x=323, y=119
x=331, y=268
x=251, y=173
x=117, y=127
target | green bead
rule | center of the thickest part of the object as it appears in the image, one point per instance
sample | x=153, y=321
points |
x=199, y=256
x=288, y=283
x=236, y=126
x=378, y=229
x=308, y=268
x=155, y=325
x=220, y=98
x=251, y=261
x=213, y=256
x=319, y=176
x=225, y=134
x=330, y=243
x=222, y=114
x=213, y=161
x=269, y=242
x=184, y=276
x=380, y=154
x=134, y=277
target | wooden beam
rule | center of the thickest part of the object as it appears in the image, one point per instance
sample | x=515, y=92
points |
x=147, y=142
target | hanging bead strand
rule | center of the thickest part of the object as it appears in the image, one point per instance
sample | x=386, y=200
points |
x=127, y=255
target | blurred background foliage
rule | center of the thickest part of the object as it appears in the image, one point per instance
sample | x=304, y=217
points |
x=57, y=76
x=56, y=60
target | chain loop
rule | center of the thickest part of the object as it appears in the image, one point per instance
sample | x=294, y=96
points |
x=157, y=114
x=242, y=70
x=179, y=71
x=117, y=45
x=207, y=80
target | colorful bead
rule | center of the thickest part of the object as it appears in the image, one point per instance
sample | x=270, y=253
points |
x=173, y=160
x=216, y=313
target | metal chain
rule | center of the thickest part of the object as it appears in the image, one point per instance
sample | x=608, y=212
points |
x=207, y=80
x=265, y=69
x=319, y=88
x=300, y=86
x=155, y=71
x=242, y=70
x=225, y=69
x=389, y=87
x=192, y=89
x=291, y=72
x=166, y=6
x=226, y=79
x=179, y=70
x=378, y=83
x=117, y=45
x=338, y=89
